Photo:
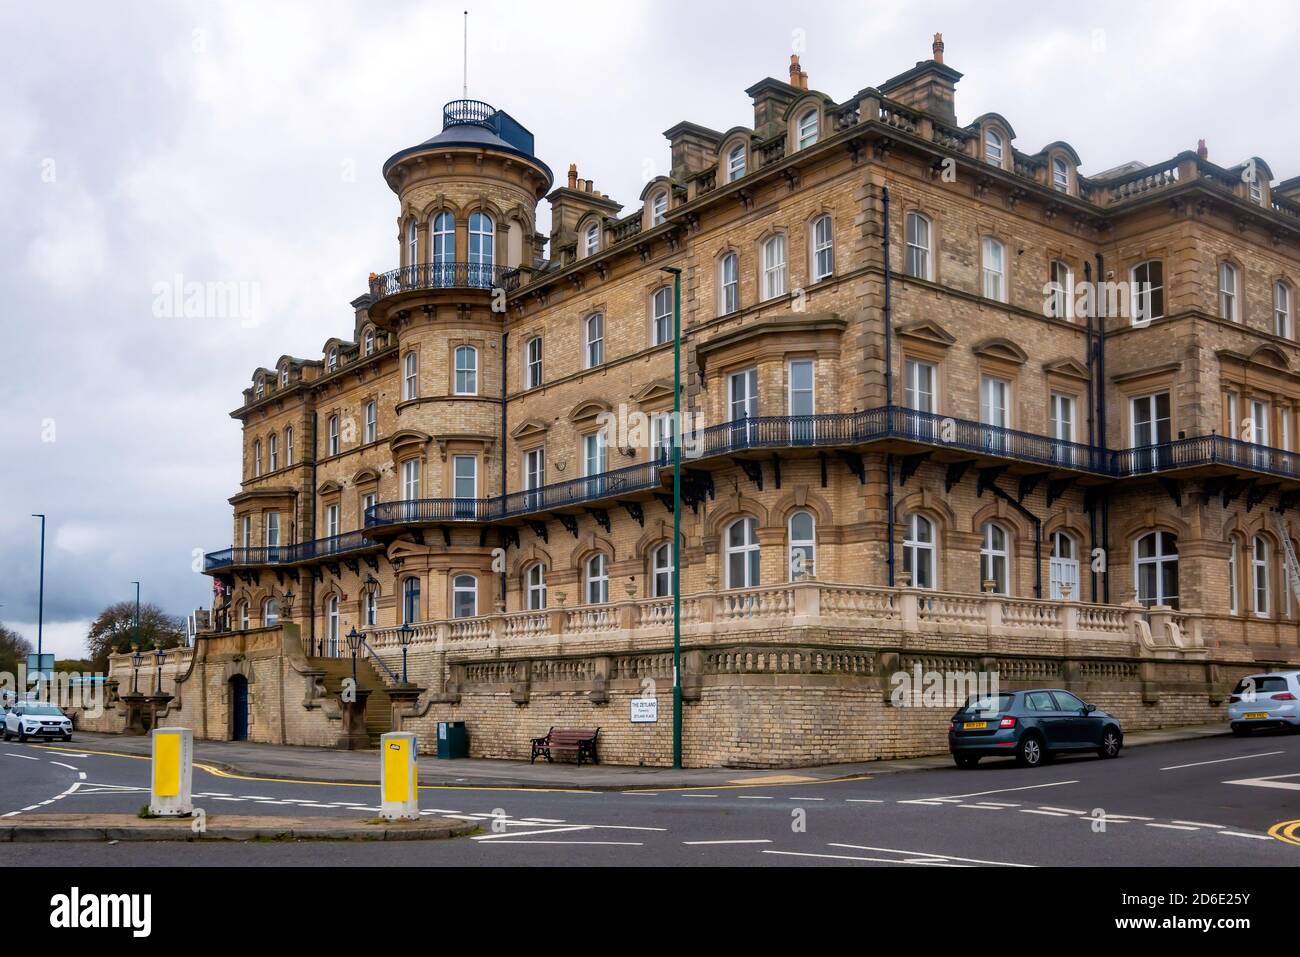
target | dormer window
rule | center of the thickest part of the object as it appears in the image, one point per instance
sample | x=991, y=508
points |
x=808, y=129
x=332, y=360
x=736, y=163
x=284, y=378
x=993, y=147
x=658, y=209
x=1060, y=175
x=1256, y=190
x=369, y=342
x=592, y=243
x=261, y=388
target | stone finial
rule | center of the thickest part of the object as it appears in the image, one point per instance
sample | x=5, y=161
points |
x=573, y=176
x=1202, y=151
x=937, y=47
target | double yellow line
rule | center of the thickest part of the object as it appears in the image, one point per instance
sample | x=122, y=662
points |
x=1286, y=831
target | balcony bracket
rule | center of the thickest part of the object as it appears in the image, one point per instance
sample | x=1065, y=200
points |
x=446, y=535
x=776, y=471
x=854, y=461
x=988, y=480
x=1174, y=488
x=279, y=578
x=352, y=565
x=1058, y=487
x=602, y=518
x=509, y=537
x=570, y=523
x=1288, y=500
x=317, y=574
x=955, y=473
x=371, y=560
x=636, y=511
x=908, y=464
x=539, y=529
x=753, y=471
x=665, y=500
x=1256, y=493
x=1027, y=485
x=334, y=569
x=247, y=577
x=702, y=480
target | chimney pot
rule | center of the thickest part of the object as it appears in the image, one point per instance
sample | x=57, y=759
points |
x=1202, y=151
x=798, y=78
x=937, y=47
x=573, y=175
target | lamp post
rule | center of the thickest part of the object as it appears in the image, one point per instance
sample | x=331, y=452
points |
x=405, y=634
x=355, y=638
x=676, y=273
x=159, y=655
x=287, y=601
x=368, y=588
x=40, y=594
x=137, y=660
x=137, y=614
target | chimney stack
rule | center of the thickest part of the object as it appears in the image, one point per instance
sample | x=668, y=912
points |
x=1202, y=151
x=937, y=47
x=798, y=78
x=573, y=176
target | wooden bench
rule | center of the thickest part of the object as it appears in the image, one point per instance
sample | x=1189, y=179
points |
x=578, y=740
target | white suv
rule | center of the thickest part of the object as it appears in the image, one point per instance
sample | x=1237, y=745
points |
x=32, y=720
x=1265, y=701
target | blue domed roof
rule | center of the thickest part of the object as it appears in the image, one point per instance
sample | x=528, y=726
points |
x=478, y=125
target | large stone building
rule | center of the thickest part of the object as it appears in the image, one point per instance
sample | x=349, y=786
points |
x=950, y=403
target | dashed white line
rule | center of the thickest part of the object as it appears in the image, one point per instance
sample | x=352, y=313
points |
x=762, y=840
x=1028, y=787
x=1063, y=810
x=1198, y=824
x=25, y=757
x=1240, y=757
x=926, y=854
x=755, y=797
x=1030, y=810
x=1253, y=837
x=863, y=801
x=62, y=765
x=1173, y=827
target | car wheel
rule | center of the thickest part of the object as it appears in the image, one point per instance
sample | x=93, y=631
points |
x=966, y=760
x=22, y=738
x=1239, y=731
x=1111, y=743
x=7, y=735
x=67, y=737
x=1029, y=753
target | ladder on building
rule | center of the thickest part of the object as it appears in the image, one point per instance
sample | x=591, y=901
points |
x=1292, y=566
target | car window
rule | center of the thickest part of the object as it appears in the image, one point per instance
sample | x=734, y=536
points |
x=988, y=703
x=46, y=710
x=1039, y=701
x=1067, y=702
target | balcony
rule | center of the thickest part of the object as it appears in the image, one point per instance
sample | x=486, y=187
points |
x=423, y=277
x=319, y=548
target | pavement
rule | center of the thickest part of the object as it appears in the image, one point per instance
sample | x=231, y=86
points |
x=271, y=761
x=226, y=827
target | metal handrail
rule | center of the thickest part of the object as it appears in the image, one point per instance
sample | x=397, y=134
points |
x=444, y=275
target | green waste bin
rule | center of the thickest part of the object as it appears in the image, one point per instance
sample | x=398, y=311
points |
x=453, y=739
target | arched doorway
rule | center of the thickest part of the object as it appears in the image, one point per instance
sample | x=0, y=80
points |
x=238, y=708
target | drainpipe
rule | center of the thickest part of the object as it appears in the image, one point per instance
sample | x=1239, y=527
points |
x=1090, y=354
x=311, y=579
x=889, y=390
x=1101, y=420
x=505, y=342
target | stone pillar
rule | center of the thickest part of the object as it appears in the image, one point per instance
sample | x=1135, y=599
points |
x=354, y=736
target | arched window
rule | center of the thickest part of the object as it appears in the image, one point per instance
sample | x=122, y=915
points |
x=919, y=550
x=243, y=616
x=661, y=309
x=597, y=579
x=594, y=334
x=1259, y=576
x=1060, y=175
x=410, y=600
x=288, y=446
x=332, y=360
x=736, y=163
x=1234, y=583
x=993, y=147
x=658, y=209
x=482, y=233
x=368, y=342
x=270, y=613
x=774, y=266
x=536, y=586
x=1148, y=291
x=464, y=596
x=993, y=558
x=412, y=246
x=257, y=458
x=729, y=283
x=284, y=378
x=442, y=249
x=260, y=389
x=995, y=270
x=1282, y=310
x=332, y=626
x=533, y=363
x=1063, y=567
x=823, y=248
x=410, y=385
x=661, y=571
x=1229, y=301
x=917, y=260
x=1155, y=569
x=802, y=558
x=742, y=553
x=593, y=240
x=807, y=129
x=466, y=370
x=273, y=451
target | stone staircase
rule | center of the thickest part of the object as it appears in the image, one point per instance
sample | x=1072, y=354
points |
x=379, y=711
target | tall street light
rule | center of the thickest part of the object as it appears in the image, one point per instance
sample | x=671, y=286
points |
x=676, y=273
x=355, y=638
x=405, y=634
x=137, y=614
x=40, y=595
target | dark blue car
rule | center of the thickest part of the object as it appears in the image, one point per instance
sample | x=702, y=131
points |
x=1031, y=726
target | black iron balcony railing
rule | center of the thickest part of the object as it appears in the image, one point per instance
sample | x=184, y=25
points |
x=287, y=554
x=1200, y=450
x=422, y=276
x=631, y=478
x=423, y=510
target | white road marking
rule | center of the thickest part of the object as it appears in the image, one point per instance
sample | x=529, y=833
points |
x=755, y=797
x=1126, y=817
x=602, y=843
x=980, y=807
x=567, y=829
x=698, y=795
x=761, y=840
x=863, y=801
x=1173, y=827
x=1240, y=757
x=62, y=765
x=997, y=804
x=926, y=802
x=1270, y=781
x=945, y=857
x=975, y=794
x=1254, y=837
x=851, y=857
x=11, y=814
x=1197, y=823
x=793, y=798
x=1063, y=810
x=25, y=757
x=1028, y=810
x=81, y=775
x=31, y=807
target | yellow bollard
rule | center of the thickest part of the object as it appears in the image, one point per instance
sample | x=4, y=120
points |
x=399, y=784
x=172, y=772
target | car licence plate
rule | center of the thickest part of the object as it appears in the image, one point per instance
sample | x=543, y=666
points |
x=1256, y=714
x=978, y=725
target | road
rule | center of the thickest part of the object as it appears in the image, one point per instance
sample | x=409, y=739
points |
x=1192, y=803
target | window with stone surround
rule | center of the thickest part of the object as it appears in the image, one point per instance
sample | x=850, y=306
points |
x=533, y=363
x=995, y=558
x=774, y=266
x=661, y=571
x=464, y=596
x=1260, y=576
x=466, y=372
x=1060, y=174
x=742, y=554
x=1229, y=292
x=822, y=248
x=801, y=558
x=591, y=240
x=916, y=262
x=535, y=578
x=993, y=147
x=596, y=579
x=1155, y=569
x=410, y=600
x=594, y=336
x=920, y=555
x=736, y=163
x=410, y=376
x=808, y=129
x=1282, y=309
x=729, y=283
x=1148, y=291
x=661, y=315
x=994, y=268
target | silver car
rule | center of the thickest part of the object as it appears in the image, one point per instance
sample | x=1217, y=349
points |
x=1265, y=701
x=31, y=720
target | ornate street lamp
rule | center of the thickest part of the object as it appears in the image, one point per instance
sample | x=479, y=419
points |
x=159, y=655
x=355, y=638
x=287, y=601
x=368, y=588
x=137, y=660
x=405, y=634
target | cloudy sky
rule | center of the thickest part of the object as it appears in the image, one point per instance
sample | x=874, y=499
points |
x=145, y=143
